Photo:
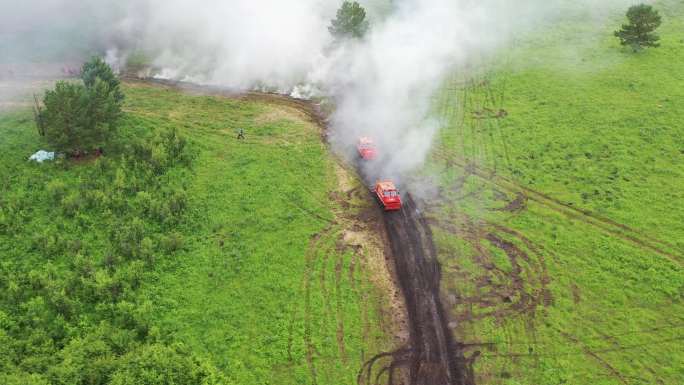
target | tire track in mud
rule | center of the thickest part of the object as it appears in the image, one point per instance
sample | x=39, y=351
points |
x=499, y=293
x=432, y=357
x=607, y=225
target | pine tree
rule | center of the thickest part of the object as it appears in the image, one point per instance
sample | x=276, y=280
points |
x=82, y=117
x=350, y=21
x=639, y=33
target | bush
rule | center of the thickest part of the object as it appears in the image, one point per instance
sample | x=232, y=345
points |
x=48, y=244
x=127, y=238
x=172, y=243
x=176, y=149
x=71, y=204
x=96, y=199
x=56, y=189
x=158, y=364
x=178, y=202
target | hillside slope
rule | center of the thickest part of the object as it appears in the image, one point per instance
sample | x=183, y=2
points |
x=185, y=255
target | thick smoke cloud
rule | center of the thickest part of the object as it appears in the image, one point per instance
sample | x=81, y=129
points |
x=381, y=86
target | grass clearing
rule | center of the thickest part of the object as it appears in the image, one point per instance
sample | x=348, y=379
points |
x=563, y=219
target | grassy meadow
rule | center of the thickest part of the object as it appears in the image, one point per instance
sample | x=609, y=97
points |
x=186, y=251
x=561, y=228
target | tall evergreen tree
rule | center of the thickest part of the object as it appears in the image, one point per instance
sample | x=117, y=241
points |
x=640, y=31
x=350, y=21
x=82, y=117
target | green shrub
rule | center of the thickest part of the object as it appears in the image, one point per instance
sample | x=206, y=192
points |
x=147, y=250
x=127, y=238
x=143, y=203
x=96, y=199
x=172, y=243
x=162, y=152
x=176, y=148
x=5, y=222
x=56, y=189
x=71, y=203
x=49, y=243
x=157, y=364
x=23, y=378
x=178, y=202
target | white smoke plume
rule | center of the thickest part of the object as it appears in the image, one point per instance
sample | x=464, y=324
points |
x=384, y=84
x=381, y=86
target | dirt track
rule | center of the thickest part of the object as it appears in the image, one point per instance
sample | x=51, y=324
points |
x=432, y=357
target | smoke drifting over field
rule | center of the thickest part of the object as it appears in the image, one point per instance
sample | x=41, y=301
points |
x=381, y=86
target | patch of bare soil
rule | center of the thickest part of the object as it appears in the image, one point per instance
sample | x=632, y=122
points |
x=488, y=113
x=516, y=205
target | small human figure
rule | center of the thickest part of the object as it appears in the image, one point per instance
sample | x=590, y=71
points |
x=241, y=134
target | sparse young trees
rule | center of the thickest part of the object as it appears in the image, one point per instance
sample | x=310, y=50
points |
x=350, y=21
x=640, y=32
x=82, y=117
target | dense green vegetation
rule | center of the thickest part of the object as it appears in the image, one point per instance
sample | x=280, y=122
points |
x=561, y=229
x=183, y=255
x=77, y=243
x=79, y=117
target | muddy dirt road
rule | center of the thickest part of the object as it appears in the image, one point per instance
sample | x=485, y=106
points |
x=432, y=357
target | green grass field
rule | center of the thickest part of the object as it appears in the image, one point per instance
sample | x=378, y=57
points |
x=561, y=231
x=241, y=268
x=250, y=292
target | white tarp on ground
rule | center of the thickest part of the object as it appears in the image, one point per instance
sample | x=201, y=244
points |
x=42, y=156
